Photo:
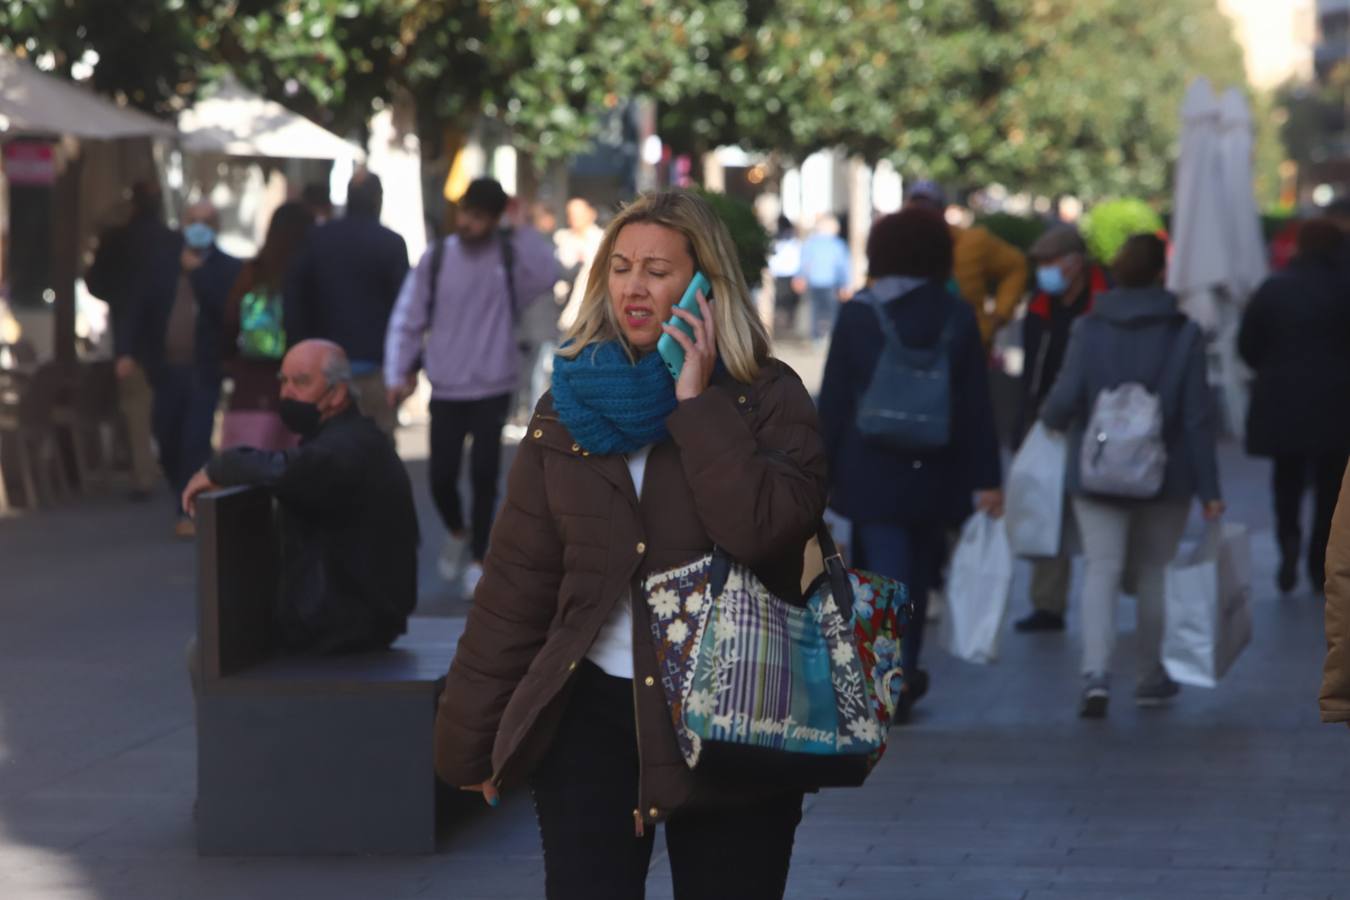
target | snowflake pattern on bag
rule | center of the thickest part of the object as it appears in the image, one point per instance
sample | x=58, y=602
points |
x=750, y=669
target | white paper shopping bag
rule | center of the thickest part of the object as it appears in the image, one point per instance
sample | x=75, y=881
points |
x=978, y=586
x=1207, y=612
x=1035, y=496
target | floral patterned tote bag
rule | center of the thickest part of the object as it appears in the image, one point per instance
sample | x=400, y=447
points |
x=799, y=694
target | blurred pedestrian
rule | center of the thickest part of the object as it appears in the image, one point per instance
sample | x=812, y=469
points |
x=126, y=253
x=824, y=275
x=1295, y=336
x=172, y=333
x=902, y=504
x=457, y=318
x=785, y=262
x=983, y=264
x=1135, y=335
x=1067, y=283
x=344, y=287
x=255, y=335
x=576, y=246
x=626, y=473
x=317, y=200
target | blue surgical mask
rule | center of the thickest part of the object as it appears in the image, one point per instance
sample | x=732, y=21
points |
x=1051, y=279
x=199, y=235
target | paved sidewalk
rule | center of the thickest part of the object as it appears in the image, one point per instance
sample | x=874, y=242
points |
x=996, y=791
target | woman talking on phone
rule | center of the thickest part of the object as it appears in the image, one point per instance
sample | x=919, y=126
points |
x=626, y=471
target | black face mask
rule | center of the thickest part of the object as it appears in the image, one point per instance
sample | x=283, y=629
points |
x=299, y=416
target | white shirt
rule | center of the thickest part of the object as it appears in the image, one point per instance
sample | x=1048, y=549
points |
x=613, y=647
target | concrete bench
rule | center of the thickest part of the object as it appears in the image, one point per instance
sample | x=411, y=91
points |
x=304, y=755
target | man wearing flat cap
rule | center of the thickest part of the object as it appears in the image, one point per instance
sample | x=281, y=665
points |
x=1067, y=283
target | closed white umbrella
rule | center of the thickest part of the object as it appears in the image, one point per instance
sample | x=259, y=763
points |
x=1199, y=246
x=1218, y=255
x=1247, y=250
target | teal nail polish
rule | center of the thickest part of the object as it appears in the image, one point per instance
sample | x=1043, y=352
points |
x=494, y=801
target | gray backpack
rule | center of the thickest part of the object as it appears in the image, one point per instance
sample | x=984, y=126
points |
x=1124, y=453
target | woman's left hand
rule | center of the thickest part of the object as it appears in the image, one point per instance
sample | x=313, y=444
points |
x=700, y=351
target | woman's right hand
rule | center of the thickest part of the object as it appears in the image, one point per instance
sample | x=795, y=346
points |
x=1214, y=510
x=488, y=790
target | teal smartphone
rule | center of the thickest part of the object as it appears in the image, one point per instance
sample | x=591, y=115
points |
x=667, y=346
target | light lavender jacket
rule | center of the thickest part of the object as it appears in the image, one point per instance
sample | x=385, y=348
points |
x=467, y=344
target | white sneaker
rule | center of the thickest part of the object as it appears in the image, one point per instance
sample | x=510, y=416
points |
x=453, y=554
x=473, y=573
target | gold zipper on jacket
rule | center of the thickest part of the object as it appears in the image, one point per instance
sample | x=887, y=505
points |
x=639, y=826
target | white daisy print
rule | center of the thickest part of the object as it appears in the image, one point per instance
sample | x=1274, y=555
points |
x=700, y=703
x=724, y=630
x=842, y=654
x=678, y=631
x=693, y=604
x=865, y=730
x=665, y=603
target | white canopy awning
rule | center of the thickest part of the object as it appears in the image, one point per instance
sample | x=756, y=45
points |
x=233, y=121
x=32, y=102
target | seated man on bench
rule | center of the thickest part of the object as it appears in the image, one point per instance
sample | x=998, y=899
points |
x=348, y=525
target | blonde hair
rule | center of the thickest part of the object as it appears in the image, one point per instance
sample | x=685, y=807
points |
x=742, y=339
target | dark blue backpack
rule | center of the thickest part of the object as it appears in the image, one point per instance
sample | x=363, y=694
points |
x=907, y=406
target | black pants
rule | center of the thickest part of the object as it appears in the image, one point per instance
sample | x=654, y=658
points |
x=451, y=422
x=183, y=417
x=585, y=793
x=1291, y=475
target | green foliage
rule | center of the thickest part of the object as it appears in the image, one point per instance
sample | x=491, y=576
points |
x=1044, y=96
x=751, y=240
x=1020, y=231
x=1109, y=225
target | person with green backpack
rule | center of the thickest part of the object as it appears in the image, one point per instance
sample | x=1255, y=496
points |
x=255, y=335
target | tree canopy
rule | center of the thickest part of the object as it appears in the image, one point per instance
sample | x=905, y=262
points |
x=1048, y=96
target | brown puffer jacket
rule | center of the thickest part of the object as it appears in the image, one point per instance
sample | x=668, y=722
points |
x=1335, y=696
x=744, y=468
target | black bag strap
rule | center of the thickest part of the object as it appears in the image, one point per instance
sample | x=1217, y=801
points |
x=508, y=245
x=840, y=586
x=437, y=257
x=508, y=250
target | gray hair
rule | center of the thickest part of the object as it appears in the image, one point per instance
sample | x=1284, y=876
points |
x=338, y=370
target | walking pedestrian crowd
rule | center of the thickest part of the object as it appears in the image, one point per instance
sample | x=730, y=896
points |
x=673, y=475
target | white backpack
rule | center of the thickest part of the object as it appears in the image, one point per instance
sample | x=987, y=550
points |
x=1124, y=451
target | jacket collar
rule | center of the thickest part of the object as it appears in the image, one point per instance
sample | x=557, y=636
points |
x=1128, y=306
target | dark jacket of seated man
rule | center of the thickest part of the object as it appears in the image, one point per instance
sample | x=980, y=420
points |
x=349, y=528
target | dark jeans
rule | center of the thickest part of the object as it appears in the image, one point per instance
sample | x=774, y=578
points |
x=585, y=792
x=451, y=422
x=785, y=301
x=182, y=420
x=824, y=310
x=1290, y=480
x=912, y=556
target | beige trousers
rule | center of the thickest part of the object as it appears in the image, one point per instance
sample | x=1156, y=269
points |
x=135, y=401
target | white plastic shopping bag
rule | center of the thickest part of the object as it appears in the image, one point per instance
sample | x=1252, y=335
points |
x=1035, y=495
x=978, y=587
x=1207, y=612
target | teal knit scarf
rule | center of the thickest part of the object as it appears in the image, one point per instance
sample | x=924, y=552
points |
x=611, y=405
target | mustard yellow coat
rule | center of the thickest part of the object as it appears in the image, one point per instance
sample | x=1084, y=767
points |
x=986, y=264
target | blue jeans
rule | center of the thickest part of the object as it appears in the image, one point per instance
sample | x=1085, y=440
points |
x=910, y=555
x=183, y=418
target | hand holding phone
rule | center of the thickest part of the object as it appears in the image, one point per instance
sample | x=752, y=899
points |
x=690, y=337
x=670, y=349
